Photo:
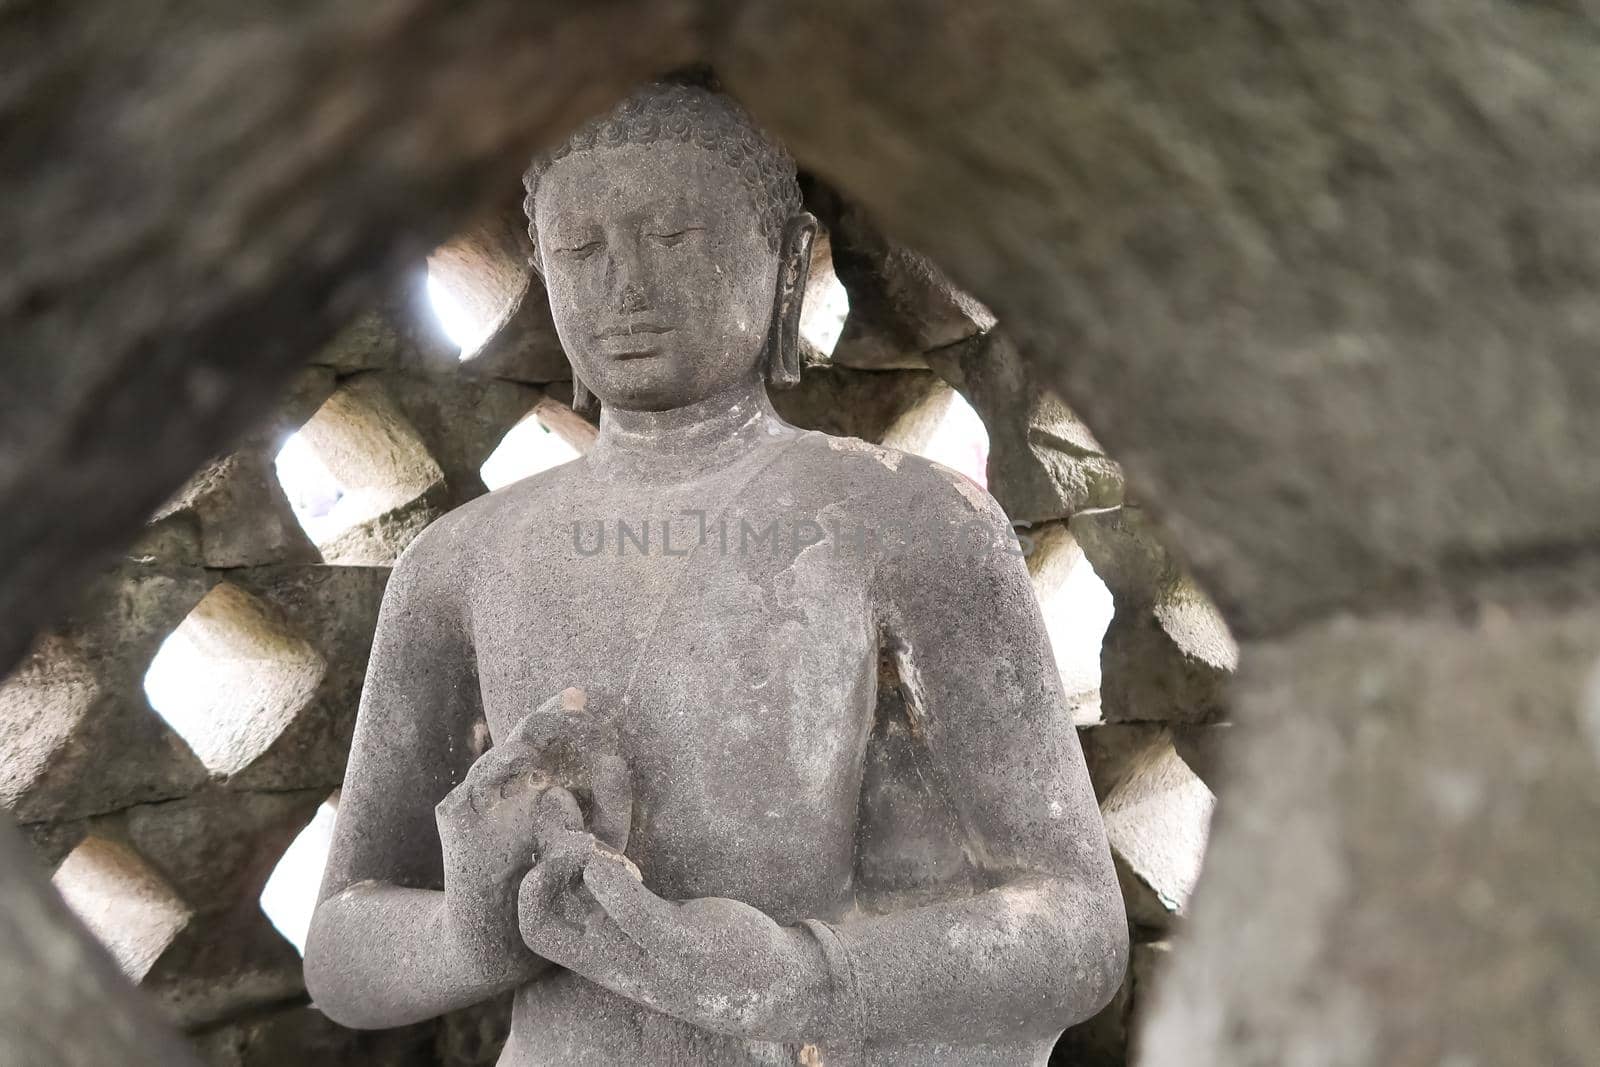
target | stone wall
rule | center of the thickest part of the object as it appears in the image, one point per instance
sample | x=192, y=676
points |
x=168, y=743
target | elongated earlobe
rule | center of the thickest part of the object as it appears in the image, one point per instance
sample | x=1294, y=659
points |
x=783, y=340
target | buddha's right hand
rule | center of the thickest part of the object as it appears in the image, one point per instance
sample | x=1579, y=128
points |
x=489, y=824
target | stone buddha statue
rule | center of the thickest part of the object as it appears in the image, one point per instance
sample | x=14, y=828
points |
x=728, y=742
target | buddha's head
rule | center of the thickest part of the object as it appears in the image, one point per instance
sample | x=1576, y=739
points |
x=672, y=243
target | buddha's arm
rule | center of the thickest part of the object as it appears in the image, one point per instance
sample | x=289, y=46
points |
x=382, y=951
x=1046, y=945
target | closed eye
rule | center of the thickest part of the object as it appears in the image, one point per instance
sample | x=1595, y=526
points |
x=581, y=251
x=674, y=237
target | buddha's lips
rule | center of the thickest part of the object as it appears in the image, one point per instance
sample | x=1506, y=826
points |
x=631, y=331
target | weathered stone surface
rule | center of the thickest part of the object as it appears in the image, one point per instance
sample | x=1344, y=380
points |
x=1157, y=819
x=1111, y=749
x=917, y=426
x=52, y=841
x=241, y=514
x=217, y=848
x=1043, y=462
x=234, y=512
x=379, y=541
x=42, y=705
x=130, y=910
x=901, y=304
x=79, y=736
x=62, y=998
x=1076, y=609
x=557, y=416
x=459, y=421
x=223, y=260
x=224, y=966
x=1103, y=1040
x=1257, y=294
x=852, y=403
x=303, y=1035
x=368, y=341
x=232, y=677
x=172, y=889
x=1206, y=748
x=1411, y=798
x=1167, y=654
x=474, y=1037
x=390, y=485
x=526, y=349
x=399, y=330
x=335, y=609
x=486, y=269
x=675, y=251
x=1109, y=1039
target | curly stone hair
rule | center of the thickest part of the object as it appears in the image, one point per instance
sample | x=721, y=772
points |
x=690, y=113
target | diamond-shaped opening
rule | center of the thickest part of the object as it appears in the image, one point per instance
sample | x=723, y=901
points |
x=460, y=320
x=290, y=895
x=41, y=706
x=944, y=427
x=1077, y=607
x=231, y=678
x=1157, y=820
x=125, y=904
x=357, y=459
x=826, y=305
x=543, y=439
x=477, y=282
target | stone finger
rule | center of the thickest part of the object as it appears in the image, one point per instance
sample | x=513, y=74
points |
x=615, y=883
x=611, y=805
x=558, y=810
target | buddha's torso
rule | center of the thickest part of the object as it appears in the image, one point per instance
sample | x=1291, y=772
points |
x=742, y=678
x=744, y=673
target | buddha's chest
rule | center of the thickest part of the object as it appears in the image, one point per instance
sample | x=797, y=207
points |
x=674, y=605
x=741, y=672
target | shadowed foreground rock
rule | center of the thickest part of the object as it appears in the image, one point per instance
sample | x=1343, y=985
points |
x=62, y=999
x=1423, y=810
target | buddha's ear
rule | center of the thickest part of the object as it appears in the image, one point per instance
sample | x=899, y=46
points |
x=794, y=266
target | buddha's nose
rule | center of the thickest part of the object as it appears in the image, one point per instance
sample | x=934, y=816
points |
x=633, y=298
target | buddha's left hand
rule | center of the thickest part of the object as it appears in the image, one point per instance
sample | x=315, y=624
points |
x=714, y=962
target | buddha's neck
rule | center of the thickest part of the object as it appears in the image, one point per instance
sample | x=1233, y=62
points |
x=683, y=443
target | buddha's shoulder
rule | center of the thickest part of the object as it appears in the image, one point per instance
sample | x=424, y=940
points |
x=485, y=524
x=882, y=479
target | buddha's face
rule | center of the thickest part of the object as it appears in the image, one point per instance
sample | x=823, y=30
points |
x=661, y=281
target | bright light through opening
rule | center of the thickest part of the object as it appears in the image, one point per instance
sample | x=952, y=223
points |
x=823, y=312
x=313, y=492
x=960, y=442
x=526, y=450
x=465, y=329
x=1077, y=608
x=123, y=902
x=230, y=679
x=290, y=895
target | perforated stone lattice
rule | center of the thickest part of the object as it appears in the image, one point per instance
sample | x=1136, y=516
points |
x=183, y=731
